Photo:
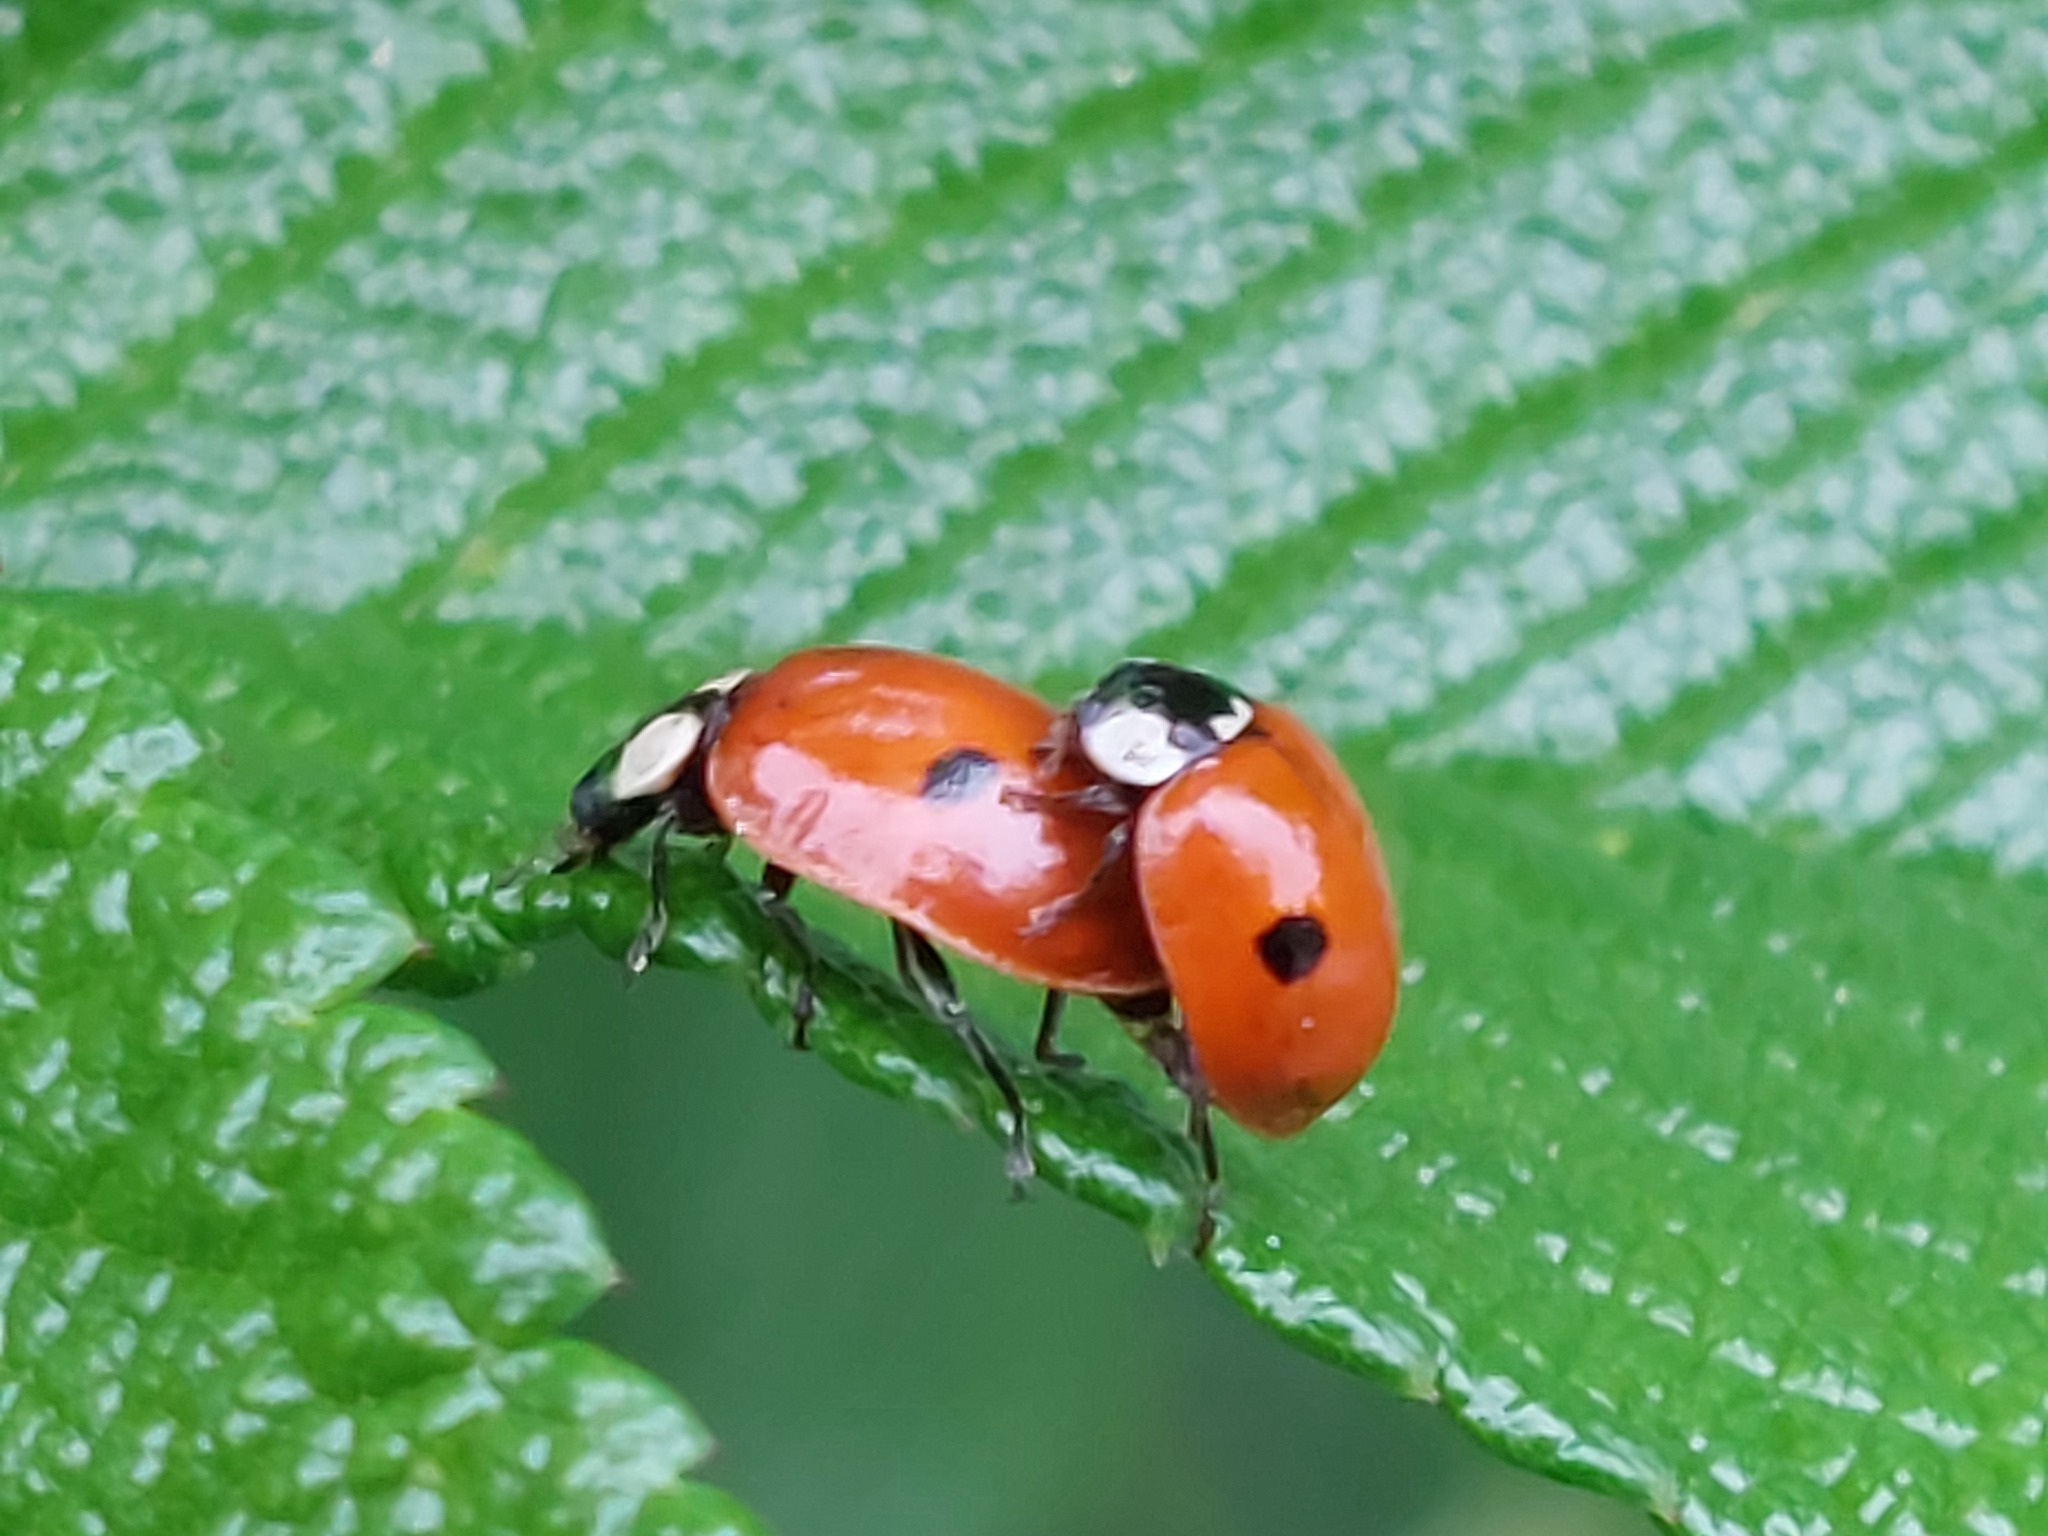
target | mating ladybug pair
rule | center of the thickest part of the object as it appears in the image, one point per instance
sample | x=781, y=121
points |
x=1167, y=844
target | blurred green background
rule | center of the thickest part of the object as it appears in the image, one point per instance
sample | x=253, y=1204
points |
x=885, y=1344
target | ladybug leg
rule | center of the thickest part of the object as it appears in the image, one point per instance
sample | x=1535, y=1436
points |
x=1052, y=753
x=1203, y=1133
x=655, y=928
x=1102, y=799
x=1115, y=846
x=1167, y=1044
x=1046, y=1047
x=924, y=970
x=776, y=884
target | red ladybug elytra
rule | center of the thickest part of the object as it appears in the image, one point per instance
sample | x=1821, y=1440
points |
x=911, y=784
x=1261, y=883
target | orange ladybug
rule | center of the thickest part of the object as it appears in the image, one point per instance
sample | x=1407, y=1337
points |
x=1261, y=883
x=913, y=785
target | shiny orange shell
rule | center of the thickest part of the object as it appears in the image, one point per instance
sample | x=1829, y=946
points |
x=1243, y=858
x=880, y=775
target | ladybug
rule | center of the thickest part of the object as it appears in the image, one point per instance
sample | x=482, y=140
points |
x=1261, y=883
x=910, y=784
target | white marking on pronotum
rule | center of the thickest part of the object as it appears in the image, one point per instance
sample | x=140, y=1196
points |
x=1134, y=746
x=1145, y=747
x=725, y=682
x=1230, y=726
x=654, y=759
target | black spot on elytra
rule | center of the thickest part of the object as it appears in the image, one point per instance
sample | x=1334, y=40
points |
x=1292, y=946
x=959, y=774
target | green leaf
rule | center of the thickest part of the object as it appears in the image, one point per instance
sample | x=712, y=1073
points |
x=1618, y=423
x=258, y=1265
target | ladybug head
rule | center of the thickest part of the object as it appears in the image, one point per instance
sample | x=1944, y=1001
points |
x=1147, y=720
x=658, y=769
